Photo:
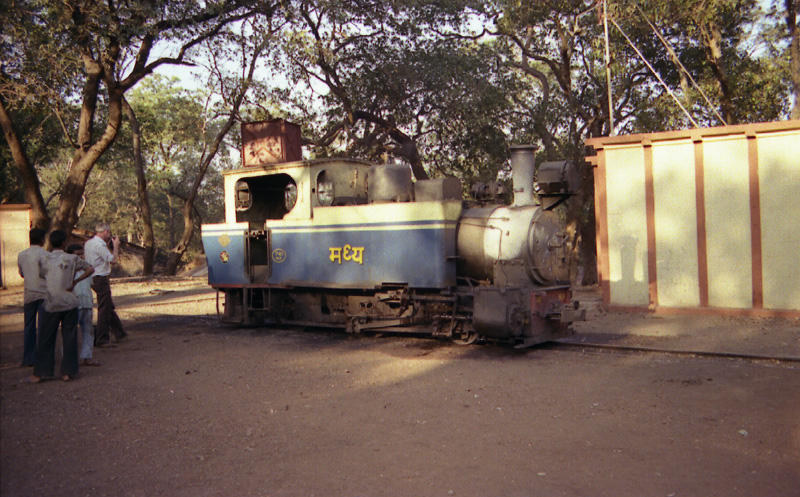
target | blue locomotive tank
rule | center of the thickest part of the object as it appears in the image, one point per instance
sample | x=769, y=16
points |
x=365, y=246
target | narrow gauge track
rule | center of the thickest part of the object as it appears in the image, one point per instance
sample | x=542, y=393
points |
x=563, y=344
x=169, y=302
x=655, y=350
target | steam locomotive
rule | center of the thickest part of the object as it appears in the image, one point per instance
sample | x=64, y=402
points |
x=350, y=244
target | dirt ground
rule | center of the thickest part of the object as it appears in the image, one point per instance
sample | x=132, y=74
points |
x=189, y=407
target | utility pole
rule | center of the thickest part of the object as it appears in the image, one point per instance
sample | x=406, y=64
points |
x=608, y=74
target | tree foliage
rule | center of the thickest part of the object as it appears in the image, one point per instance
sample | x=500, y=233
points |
x=446, y=85
x=96, y=51
x=394, y=84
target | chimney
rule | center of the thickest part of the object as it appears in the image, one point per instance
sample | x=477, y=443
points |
x=522, y=169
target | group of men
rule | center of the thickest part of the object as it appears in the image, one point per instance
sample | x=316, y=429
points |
x=57, y=293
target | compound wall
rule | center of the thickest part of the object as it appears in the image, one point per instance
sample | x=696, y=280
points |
x=702, y=219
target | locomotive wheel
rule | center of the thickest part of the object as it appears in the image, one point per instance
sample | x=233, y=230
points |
x=465, y=338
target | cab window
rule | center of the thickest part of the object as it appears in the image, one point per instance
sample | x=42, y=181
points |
x=259, y=198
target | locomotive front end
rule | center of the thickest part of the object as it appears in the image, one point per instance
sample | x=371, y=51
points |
x=519, y=256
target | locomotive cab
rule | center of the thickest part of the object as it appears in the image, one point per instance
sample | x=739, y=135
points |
x=260, y=199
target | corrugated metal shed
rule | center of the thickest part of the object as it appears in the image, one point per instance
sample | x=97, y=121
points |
x=700, y=220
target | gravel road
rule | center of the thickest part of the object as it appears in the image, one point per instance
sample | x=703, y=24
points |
x=188, y=407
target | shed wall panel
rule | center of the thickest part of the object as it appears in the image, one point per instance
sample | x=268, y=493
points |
x=627, y=226
x=15, y=223
x=727, y=204
x=779, y=179
x=676, y=224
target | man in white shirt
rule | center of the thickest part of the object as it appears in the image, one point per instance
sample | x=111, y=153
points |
x=61, y=308
x=100, y=258
x=28, y=265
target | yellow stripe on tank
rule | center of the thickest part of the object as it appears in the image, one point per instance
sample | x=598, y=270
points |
x=394, y=212
x=363, y=227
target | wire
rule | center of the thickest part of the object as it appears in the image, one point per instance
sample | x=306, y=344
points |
x=654, y=73
x=677, y=61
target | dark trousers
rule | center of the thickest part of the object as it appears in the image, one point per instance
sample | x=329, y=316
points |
x=45, y=351
x=33, y=323
x=107, y=319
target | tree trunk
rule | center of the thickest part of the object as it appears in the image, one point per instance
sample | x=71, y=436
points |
x=149, y=240
x=581, y=223
x=171, y=220
x=33, y=193
x=583, y=214
x=82, y=163
x=712, y=39
x=794, y=51
x=407, y=148
x=685, y=88
x=188, y=223
x=547, y=138
x=176, y=253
